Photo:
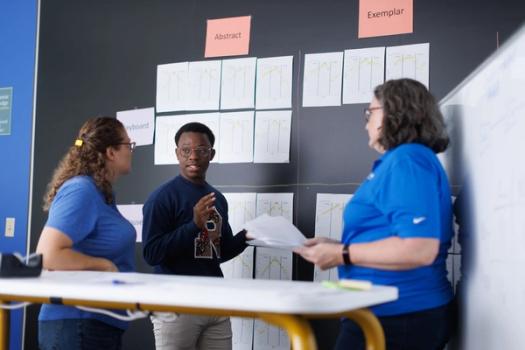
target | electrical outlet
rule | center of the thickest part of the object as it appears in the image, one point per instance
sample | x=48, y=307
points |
x=9, y=227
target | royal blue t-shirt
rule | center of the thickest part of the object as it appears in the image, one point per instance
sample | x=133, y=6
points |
x=407, y=195
x=96, y=228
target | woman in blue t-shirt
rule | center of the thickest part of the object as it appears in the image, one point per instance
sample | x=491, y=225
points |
x=85, y=231
x=398, y=225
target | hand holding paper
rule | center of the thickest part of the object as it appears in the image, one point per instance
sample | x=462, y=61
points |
x=274, y=231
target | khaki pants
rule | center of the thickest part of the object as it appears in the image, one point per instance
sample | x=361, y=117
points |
x=191, y=332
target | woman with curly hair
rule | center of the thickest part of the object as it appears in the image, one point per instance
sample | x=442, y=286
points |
x=85, y=231
x=398, y=225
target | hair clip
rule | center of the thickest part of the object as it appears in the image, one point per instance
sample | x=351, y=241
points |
x=78, y=142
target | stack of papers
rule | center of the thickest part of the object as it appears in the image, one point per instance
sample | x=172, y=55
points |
x=275, y=232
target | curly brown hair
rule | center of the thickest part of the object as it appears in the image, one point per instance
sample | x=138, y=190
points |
x=410, y=115
x=87, y=157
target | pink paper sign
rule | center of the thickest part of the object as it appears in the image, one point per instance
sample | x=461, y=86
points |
x=228, y=36
x=385, y=17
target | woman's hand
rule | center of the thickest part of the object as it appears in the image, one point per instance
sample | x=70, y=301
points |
x=316, y=240
x=323, y=252
x=391, y=253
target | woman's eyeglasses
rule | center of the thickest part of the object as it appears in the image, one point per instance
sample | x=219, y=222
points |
x=131, y=145
x=368, y=112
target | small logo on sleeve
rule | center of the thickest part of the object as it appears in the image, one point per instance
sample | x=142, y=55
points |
x=418, y=220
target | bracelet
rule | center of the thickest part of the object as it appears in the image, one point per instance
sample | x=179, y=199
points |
x=346, y=255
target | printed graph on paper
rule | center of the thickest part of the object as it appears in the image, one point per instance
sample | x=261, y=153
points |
x=238, y=83
x=204, y=85
x=322, y=79
x=236, y=137
x=172, y=86
x=271, y=264
x=272, y=136
x=274, y=82
x=408, y=61
x=275, y=204
x=364, y=69
x=329, y=223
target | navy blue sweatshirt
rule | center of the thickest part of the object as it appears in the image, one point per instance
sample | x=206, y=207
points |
x=169, y=233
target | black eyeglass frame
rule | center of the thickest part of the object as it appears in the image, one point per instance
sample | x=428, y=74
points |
x=131, y=145
x=200, y=151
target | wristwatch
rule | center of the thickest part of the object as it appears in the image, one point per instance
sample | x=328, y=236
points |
x=346, y=255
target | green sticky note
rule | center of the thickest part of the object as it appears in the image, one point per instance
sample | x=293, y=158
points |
x=348, y=285
x=6, y=105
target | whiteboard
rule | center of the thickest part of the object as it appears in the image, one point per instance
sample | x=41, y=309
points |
x=485, y=116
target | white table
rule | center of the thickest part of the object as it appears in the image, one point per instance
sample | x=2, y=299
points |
x=287, y=304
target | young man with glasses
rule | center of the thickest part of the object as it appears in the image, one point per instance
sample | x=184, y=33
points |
x=186, y=232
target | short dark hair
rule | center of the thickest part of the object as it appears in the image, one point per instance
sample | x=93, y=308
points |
x=195, y=127
x=410, y=115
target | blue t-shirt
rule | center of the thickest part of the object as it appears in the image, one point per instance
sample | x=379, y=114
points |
x=407, y=195
x=96, y=228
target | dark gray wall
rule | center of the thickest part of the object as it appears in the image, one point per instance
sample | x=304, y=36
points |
x=99, y=57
